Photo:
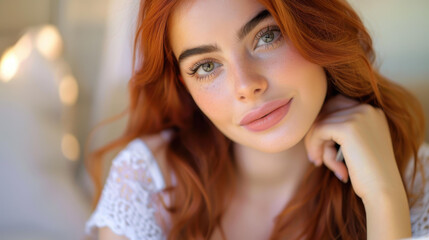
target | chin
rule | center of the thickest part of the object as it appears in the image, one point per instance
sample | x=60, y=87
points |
x=276, y=146
x=275, y=142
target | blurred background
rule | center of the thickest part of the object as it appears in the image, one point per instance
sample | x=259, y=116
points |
x=64, y=67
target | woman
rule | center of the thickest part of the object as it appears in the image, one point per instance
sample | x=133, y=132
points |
x=236, y=114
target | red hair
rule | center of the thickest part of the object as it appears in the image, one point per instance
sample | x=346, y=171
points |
x=328, y=33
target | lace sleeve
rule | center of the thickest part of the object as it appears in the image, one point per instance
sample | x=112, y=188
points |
x=420, y=210
x=126, y=205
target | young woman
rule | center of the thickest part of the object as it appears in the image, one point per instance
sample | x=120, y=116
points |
x=238, y=110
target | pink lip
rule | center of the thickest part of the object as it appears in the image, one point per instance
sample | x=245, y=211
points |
x=266, y=116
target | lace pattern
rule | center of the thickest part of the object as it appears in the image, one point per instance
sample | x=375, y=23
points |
x=126, y=205
x=420, y=210
x=128, y=208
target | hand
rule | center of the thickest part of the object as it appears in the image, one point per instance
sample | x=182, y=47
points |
x=363, y=133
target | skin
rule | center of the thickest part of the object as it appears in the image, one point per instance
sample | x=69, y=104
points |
x=248, y=73
x=241, y=75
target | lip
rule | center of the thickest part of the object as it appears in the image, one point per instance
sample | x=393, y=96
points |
x=266, y=116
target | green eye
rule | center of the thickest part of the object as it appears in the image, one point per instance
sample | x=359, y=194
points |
x=268, y=37
x=204, y=69
x=208, y=67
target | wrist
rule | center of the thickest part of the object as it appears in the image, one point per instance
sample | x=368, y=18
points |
x=396, y=195
x=385, y=189
x=388, y=215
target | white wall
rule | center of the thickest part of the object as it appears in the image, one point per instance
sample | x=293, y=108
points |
x=400, y=31
x=41, y=197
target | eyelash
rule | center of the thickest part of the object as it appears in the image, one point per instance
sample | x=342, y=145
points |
x=194, y=68
x=264, y=31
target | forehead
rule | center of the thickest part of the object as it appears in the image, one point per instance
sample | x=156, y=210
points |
x=198, y=22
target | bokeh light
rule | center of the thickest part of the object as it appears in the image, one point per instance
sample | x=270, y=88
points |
x=70, y=147
x=68, y=90
x=9, y=65
x=23, y=47
x=49, y=42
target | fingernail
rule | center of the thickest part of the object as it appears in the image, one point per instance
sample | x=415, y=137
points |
x=310, y=159
x=316, y=163
x=339, y=177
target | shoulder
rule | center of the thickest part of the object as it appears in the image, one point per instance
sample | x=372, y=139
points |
x=143, y=160
x=128, y=202
x=157, y=145
x=419, y=210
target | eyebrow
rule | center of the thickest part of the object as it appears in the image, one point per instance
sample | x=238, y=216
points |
x=246, y=29
x=198, y=50
x=249, y=26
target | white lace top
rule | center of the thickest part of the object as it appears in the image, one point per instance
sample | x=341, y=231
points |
x=127, y=205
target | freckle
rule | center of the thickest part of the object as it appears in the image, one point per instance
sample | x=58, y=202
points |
x=425, y=219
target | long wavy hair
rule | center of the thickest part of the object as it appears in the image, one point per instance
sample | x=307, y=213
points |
x=327, y=33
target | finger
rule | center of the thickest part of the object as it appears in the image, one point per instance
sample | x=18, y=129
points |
x=329, y=159
x=332, y=129
x=315, y=153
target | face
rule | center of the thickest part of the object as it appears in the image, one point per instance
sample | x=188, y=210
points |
x=244, y=75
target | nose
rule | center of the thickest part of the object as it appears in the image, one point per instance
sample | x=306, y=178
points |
x=249, y=83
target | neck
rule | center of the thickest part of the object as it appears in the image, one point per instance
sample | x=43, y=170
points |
x=262, y=174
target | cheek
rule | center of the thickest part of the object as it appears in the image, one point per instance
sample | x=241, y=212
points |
x=303, y=80
x=311, y=90
x=212, y=101
x=294, y=72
